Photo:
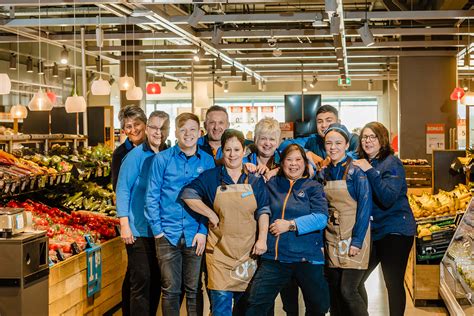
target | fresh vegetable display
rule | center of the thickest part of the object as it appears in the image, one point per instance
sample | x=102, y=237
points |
x=63, y=229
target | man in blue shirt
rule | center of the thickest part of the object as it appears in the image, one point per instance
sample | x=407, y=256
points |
x=217, y=121
x=180, y=235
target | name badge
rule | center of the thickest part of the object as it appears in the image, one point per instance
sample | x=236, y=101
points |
x=245, y=194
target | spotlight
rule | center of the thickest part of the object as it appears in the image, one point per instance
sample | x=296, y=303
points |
x=178, y=86
x=254, y=82
x=366, y=35
x=196, y=16
x=219, y=63
x=183, y=87
x=244, y=76
x=395, y=84
x=335, y=24
x=233, y=70
x=264, y=86
x=40, y=67
x=314, y=82
x=272, y=42
x=217, y=35
x=111, y=80
x=67, y=76
x=29, y=64
x=12, y=61
x=55, y=70
x=163, y=81
x=370, y=85
x=226, y=87
x=218, y=83
x=260, y=85
x=64, y=56
x=196, y=57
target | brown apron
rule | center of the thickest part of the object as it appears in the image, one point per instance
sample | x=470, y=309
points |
x=338, y=233
x=228, y=247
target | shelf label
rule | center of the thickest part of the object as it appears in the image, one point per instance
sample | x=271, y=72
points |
x=94, y=270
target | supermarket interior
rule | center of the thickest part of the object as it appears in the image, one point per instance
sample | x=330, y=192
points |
x=92, y=93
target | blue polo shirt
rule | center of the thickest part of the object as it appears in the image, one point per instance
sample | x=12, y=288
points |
x=252, y=158
x=131, y=189
x=205, y=187
x=170, y=171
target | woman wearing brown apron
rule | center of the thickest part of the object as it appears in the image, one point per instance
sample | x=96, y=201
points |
x=347, y=235
x=235, y=204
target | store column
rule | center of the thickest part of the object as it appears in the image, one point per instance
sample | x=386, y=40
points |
x=425, y=84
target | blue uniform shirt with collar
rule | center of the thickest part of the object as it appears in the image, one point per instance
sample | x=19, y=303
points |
x=307, y=206
x=131, y=189
x=205, y=188
x=117, y=157
x=203, y=143
x=170, y=171
x=252, y=158
x=391, y=211
x=359, y=189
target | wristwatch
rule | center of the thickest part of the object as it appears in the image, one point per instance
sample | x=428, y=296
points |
x=292, y=227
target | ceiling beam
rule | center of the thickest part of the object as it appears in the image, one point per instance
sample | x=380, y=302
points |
x=82, y=21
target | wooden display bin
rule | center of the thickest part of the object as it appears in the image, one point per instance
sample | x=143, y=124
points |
x=68, y=282
x=421, y=280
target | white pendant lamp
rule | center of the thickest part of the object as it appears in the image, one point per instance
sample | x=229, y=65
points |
x=126, y=83
x=5, y=84
x=18, y=111
x=100, y=87
x=40, y=102
x=134, y=94
x=75, y=104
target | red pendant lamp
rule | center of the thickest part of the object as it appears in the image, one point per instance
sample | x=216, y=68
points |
x=457, y=94
x=52, y=96
x=153, y=88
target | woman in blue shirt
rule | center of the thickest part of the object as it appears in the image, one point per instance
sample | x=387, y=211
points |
x=347, y=235
x=234, y=202
x=393, y=225
x=135, y=232
x=299, y=215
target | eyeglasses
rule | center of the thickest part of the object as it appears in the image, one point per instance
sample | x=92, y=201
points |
x=368, y=137
x=158, y=129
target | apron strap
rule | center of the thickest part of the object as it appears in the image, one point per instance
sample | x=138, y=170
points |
x=348, y=162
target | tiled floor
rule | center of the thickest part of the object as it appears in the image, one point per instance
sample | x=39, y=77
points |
x=378, y=304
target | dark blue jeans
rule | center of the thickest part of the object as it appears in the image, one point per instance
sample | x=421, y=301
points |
x=144, y=277
x=178, y=264
x=221, y=301
x=272, y=276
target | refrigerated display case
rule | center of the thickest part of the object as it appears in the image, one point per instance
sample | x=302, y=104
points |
x=457, y=268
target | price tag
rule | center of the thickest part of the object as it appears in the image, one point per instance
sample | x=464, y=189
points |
x=20, y=223
x=58, y=179
x=68, y=177
x=23, y=185
x=94, y=270
x=6, y=188
x=13, y=187
x=42, y=181
x=51, y=180
x=32, y=183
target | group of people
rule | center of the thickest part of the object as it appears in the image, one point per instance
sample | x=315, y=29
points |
x=258, y=219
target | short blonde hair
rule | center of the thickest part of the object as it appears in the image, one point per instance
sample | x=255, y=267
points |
x=267, y=125
x=184, y=117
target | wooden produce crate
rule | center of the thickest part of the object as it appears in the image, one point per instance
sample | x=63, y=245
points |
x=421, y=280
x=68, y=283
x=418, y=176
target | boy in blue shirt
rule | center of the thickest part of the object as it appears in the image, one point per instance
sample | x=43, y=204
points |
x=180, y=236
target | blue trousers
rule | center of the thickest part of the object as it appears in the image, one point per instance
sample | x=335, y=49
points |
x=221, y=301
x=273, y=275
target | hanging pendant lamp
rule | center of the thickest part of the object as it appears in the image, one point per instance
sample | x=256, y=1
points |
x=75, y=104
x=457, y=94
x=40, y=102
x=153, y=88
x=126, y=83
x=18, y=111
x=100, y=87
x=134, y=94
x=5, y=84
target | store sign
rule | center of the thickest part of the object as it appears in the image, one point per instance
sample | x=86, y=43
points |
x=251, y=109
x=267, y=109
x=94, y=270
x=344, y=82
x=236, y=109
x=435, y=138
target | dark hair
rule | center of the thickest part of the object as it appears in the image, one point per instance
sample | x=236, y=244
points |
x=229, y=133
x=289, y=149
x=131, y=112
x=183, y=117
x=327, y=108
x=382, y=135
x=216, y=108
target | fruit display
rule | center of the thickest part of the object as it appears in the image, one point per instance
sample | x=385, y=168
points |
x=65, y=229
x=442, y=204
x=427, y=230
x=81, y=195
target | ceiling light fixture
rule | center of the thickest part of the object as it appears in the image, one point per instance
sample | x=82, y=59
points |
x=55, y=70
x=134, y=93
x=29, y=64
x=226, y=87
x=314, y=82
x=305, y=86
x=125, y=82
x=366, y=35
x=67, y=75
x=217, y=34
x=335, y=24
x=18, y=111
x=218, y=83
x=277, y=52
x=163, y=81
x=330, y=6
x=64, y=56
x=233, y=70
x=13, y=61
x=40, y=67
x=244, y=76
x=178, y=85
x=100, y=86
x=370, y=85
x=254, y=81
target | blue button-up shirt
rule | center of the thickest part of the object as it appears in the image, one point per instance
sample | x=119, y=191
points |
x=170, y=171
x=131, y=189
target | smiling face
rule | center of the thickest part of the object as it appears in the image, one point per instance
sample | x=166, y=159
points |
x=216, y=123
x=266, y=144
x=233, y=153
x=187, y=135
x=293, y=165
x=157, y=131
x=323, y=120
x=370, y=143
x=336, y=146
x=135, y=130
